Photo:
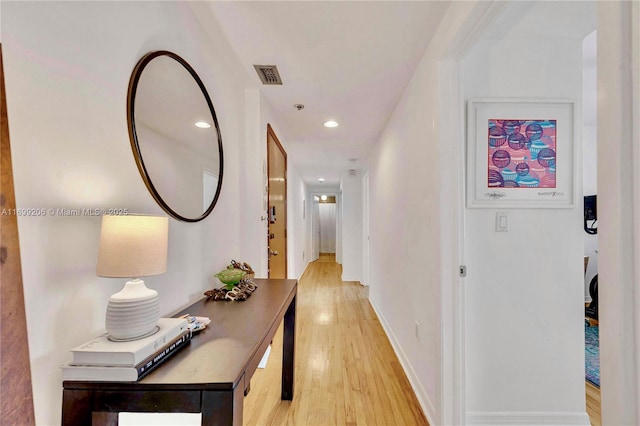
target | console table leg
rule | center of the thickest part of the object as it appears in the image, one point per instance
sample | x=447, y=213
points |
x=223, y=408
x=76, y=407
x=288, y=351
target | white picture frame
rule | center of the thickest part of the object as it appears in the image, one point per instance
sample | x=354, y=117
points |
x=536, y=165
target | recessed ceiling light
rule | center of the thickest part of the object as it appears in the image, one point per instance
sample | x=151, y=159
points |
x=330, y=123
x=320, y=179
x=323, y=197
x=202, y=124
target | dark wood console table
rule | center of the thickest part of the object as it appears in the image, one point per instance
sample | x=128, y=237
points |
x=211, y=375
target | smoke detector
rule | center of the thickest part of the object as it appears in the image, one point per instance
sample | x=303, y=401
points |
x=268, y=74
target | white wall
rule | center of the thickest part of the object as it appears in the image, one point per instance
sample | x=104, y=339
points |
x=407, y=233
x=67, y=68
x=504, y=375
x=404, y=233
x=254, y=229
x=524, y=289
x=339, y=225
x=351, y=226
x=314, y=228
x=365, y=229
x=297, y=234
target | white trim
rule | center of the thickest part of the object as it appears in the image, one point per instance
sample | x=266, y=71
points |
x=635, y=102
x=452, y=332
x=452, y=386
x=304, y=270
x=350, y=278
x=529, y=418
x=421, y=394
x=619, y=204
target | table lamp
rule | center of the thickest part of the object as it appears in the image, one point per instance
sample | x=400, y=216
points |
x=132, y=247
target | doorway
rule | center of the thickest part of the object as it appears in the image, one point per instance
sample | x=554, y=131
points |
x=327, y=225
x=324, y=226
x=277, y=207
x=560, y=249
x=365, y=229
x=590, y=190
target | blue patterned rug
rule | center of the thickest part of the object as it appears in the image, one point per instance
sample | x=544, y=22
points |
x=592, y=355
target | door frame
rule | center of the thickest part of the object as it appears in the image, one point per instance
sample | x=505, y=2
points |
x=365, y=230
x=271, y=133
x=618, y=67
x=16, y=404
x=316, y=219
x=451, y=111
x=619, y=31
x=315, y=230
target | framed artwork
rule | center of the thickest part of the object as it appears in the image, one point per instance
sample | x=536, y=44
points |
x=520, y=153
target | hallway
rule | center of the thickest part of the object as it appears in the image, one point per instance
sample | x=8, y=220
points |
x=346, y=370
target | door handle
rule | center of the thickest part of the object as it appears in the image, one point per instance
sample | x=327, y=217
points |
x=273, y=252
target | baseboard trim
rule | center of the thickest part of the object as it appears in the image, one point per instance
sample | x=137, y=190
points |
x=530, y=418
x=418, y=389
x=348, y=278
x=304, y=270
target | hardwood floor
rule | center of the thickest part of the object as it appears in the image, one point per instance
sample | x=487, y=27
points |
x=593, y=404
x=327, y=257
x=346, y=370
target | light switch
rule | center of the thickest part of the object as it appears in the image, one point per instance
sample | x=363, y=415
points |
x=502, y=222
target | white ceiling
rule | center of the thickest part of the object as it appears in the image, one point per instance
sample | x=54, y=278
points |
x=351, y=60
x=344, y=60
x=544, y=19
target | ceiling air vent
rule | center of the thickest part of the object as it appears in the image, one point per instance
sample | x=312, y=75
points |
x=268, y=74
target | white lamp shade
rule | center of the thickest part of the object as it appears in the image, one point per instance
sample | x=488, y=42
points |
x=133, y=246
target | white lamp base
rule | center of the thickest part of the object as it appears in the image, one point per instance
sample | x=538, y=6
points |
x=133, y=312
x=153, y=331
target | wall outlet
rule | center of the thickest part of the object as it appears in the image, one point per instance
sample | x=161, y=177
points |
x=417, y=330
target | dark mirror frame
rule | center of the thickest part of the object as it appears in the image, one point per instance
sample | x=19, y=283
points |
x=133, y=137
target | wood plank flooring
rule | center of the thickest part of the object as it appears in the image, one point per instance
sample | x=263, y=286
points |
x=593, y=404
x=346, y=370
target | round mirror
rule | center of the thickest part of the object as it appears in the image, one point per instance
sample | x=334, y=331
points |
x=175, y=136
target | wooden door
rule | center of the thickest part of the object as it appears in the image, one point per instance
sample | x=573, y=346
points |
x=16, y=398
x=277, y=214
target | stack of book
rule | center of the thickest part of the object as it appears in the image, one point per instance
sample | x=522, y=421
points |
x=104, y=360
